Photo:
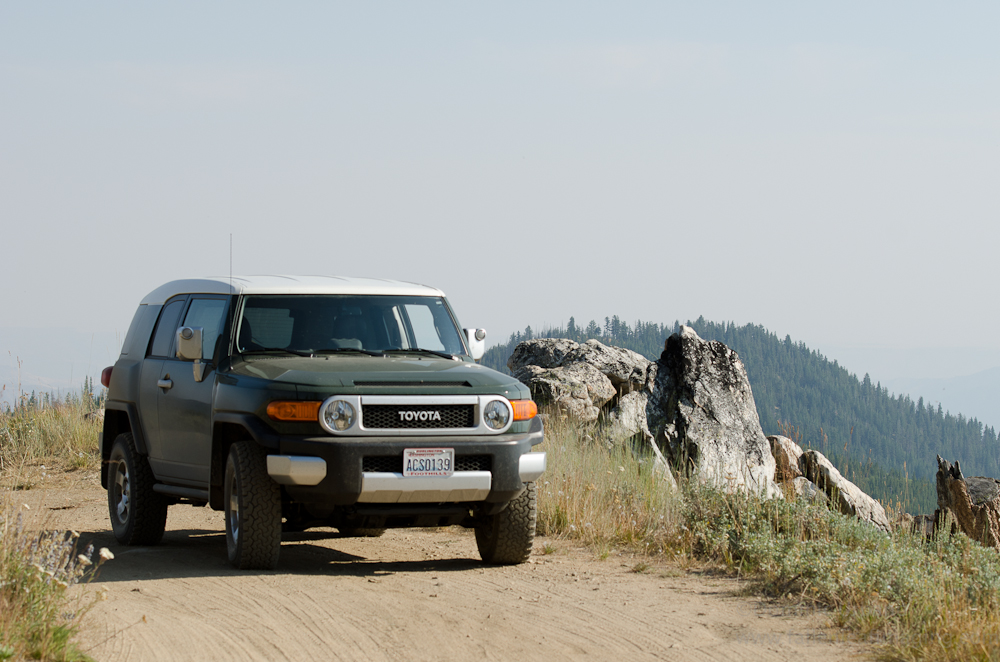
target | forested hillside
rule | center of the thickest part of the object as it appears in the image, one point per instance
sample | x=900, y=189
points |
x=879, y=440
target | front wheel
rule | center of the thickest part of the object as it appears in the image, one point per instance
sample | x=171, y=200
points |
x=506, y=538
x=253, y=509
x=138, y=514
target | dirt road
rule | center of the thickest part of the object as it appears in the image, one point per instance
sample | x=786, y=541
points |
x=410, y=595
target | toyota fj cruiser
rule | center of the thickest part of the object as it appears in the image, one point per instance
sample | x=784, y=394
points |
x=291, y=403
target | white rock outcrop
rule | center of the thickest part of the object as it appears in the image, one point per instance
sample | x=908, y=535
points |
x=846, y=495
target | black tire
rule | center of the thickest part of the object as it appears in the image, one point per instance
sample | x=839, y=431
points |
x=506, y=538
x=138, y=514
x=355, y=532
x=252, y=504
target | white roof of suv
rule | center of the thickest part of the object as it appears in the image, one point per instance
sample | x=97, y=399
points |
x=288, y=285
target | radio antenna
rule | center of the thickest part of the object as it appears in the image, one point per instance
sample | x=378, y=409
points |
x=230, y=262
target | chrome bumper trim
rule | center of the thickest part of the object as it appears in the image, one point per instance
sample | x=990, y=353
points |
x=384, y=487
x=531, y=466
x=296, y=469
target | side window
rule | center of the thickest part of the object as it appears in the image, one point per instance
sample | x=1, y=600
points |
x=166, y=328
x=210, y=315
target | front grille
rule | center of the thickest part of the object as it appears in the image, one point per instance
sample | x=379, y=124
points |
x=394, y=463
x=387, y=417
x=383, y=464
x=474, y=463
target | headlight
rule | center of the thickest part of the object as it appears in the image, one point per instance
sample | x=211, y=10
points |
x=496, y=414
x=339, y=415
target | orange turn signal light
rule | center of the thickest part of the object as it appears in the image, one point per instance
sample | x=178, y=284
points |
x=524, y=409
x=282, y=410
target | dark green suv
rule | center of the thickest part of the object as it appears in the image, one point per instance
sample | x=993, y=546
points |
x=291, y=403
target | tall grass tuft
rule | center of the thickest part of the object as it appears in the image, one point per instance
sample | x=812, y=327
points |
x=50, y=428
x=917, y=599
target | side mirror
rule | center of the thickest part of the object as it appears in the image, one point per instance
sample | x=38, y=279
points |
x=189, y=343
x=477, y=342
x=189, y=348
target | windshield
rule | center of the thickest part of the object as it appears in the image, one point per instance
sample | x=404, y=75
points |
x=315, y=323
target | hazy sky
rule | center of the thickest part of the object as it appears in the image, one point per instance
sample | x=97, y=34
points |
x=828, y=170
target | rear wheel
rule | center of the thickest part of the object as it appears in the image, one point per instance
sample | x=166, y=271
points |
x=506, y=538
x=253, y=509
x=138, y=514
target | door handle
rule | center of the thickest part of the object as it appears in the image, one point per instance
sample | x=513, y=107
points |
x=165, y=384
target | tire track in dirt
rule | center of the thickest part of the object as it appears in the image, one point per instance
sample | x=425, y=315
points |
x=410, y=595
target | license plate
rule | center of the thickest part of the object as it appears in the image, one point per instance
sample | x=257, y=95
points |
x=419, y=462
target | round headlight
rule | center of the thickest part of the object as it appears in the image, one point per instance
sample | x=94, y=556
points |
x=339, y=415
x=496, y=414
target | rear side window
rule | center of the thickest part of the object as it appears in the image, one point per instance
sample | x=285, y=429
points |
x=166, y=328
x=131, y=329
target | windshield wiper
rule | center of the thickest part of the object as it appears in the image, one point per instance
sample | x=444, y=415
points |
x=278, y=349
x=443, y=355
x=331, y=350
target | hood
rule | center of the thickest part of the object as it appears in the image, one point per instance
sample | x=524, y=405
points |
x=372, y=372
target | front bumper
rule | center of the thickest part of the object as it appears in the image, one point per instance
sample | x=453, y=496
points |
x=344, y=482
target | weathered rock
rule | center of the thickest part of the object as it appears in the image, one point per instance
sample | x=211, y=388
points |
x=982, y=489
x=786, y=458
x=694, y=406
x=626, y=369
x=628, y=417
x=701, y=412
x=541, y=352
x=848, y=496
x=806, y=489
x=980, y=521
x=578, y=378
x=578, y=389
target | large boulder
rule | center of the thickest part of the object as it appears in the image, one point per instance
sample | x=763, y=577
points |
x=693, y=407
x=578, y=389
x=846, y=495
x=702, y=413
x=578, y=378
x=626, y=369
x=540, y=352
x=974, y=502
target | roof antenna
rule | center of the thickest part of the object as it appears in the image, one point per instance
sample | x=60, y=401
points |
x=230, y=262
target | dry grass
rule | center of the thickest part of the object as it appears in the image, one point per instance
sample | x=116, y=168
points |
x=915, y=599
x=51, y=431
x=604, y=496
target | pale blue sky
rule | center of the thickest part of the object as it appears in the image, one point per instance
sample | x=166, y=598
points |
x=827, y=170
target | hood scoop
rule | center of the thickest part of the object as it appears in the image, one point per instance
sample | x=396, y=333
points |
x=410, y=384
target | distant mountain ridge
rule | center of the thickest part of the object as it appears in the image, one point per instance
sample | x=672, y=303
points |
x=976, y=395
x=885, y=443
